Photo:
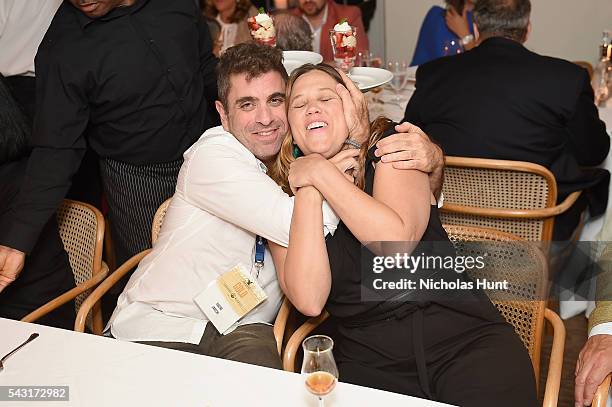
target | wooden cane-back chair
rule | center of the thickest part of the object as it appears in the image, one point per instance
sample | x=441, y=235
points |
x=524, y=266
x=116, y=275
x=511, y=196
x=523, y=305
x=158, y=220
x=81, y=228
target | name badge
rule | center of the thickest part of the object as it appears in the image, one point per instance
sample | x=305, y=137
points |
x=230, y=297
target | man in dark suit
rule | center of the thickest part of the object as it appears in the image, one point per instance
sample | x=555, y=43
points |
x=502, y=101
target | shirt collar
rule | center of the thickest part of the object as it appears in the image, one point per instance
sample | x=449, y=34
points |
x=117, y=12
x=323, y=21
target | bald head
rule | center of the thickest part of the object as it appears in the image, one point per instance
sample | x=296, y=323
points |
x=503, y=18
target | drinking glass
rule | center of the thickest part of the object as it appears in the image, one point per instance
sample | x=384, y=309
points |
x=399, y=69
x=319, y=366
x=344, y=47
x=364, y=58
x=452, y=47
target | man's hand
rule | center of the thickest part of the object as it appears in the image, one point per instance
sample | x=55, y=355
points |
x=11, y=264
x=594, y=364
x=355, y=109
x=410, y=149
x=457, y=23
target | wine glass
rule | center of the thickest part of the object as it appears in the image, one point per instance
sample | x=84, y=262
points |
x=399, y=69
x=344, y=47
x=452, y=47
x=319, y=366
x=363, y=58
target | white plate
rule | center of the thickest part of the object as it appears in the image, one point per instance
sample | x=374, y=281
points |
x=368, y=78
x=295, y=59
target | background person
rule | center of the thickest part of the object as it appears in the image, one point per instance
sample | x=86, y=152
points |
x=323, y=15
x=292, y=32
x=139, y=106
x=232, y=15
x=441, y=26
x=46, y=271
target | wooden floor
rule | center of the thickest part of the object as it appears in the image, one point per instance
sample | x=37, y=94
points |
x=576, y=332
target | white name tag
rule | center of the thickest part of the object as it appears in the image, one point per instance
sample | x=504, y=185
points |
x=230, y=297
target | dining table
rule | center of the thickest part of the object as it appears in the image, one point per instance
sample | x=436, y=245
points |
x=92, y=371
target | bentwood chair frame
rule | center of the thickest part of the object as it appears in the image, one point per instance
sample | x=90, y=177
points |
x=158, y=219
x=601, y=395
x=526, y=313
x=116, y=276
x=81, y=228
x=511, y=196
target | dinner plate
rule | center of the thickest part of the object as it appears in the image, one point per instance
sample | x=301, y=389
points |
x=367, y=78
x=295, y=59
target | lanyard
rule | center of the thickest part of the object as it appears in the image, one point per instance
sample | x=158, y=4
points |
x=260, y=251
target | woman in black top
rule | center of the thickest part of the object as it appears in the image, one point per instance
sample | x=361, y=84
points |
x=459, y=352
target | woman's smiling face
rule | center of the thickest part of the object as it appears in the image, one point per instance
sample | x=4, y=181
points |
x=316, y=115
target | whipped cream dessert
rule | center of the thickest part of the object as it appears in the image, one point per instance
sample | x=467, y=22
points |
x=262, y=27
x=344, y=40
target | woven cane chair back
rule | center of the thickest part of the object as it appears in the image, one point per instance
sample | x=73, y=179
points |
x=81, y=227
x=509, y=186
x=158, y=219
x=524, y=266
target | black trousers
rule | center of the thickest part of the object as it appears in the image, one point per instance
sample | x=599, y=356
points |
x=438, y=353
x=133, y=192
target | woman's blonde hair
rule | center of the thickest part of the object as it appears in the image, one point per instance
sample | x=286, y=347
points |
x=241, y=12
x=280, y=170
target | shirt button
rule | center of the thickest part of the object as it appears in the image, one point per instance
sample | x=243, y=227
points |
x=168, y=70
x=151, y=41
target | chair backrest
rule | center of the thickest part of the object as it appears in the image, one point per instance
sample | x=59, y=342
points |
x=81, y=227
x=520, y=263
x=158, y=219
x=499, y=194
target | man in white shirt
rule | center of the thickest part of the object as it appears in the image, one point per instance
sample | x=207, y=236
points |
x=595, y=359
x=23, y=25
x=223, y=201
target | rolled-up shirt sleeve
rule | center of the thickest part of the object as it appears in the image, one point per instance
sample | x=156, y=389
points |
x=58, y=145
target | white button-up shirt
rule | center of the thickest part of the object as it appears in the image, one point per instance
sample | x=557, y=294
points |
x=223, y=200
x=317, y=32
x=23, y=24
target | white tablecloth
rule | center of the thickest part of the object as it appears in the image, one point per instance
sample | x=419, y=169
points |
x=107, y=372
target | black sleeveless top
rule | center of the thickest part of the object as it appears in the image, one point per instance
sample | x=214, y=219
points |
x=350, y=282
x=346, y=255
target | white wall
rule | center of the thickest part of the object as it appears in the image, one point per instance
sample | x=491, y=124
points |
x=569, y=29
